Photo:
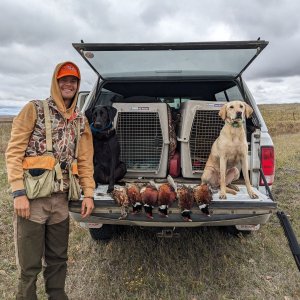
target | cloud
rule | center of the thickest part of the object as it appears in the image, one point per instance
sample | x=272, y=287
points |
x=274, y=80
x=36, y=35
x=286, y=90
x=32, y=22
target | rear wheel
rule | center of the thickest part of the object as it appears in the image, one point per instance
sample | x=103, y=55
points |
x=232, y=230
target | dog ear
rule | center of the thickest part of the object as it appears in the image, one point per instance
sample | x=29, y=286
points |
x=249, y=111
x=222, y=112
x=112, y=111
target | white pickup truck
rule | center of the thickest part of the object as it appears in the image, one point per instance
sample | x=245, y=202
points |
x=162, y=88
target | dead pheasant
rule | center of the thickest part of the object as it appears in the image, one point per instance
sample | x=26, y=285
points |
x=134, y=197
x=120, y=196
x=185, y=201
x=166, y=196
x=149, y=196
x=203, y=197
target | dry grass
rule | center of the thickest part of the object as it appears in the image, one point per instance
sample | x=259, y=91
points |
x=281, y=118
x=4, y=136
x=201, y=264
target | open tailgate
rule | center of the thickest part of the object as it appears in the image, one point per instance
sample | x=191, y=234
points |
x=239, y=209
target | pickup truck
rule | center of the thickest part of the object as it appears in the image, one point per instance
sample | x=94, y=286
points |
x=167, y=97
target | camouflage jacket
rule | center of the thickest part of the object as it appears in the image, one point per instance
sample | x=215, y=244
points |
x=63, y=135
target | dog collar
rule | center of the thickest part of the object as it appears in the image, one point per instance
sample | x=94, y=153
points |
x=96, y=130
x=235, y=124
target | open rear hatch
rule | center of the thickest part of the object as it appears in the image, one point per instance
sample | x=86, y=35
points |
x=226, y=60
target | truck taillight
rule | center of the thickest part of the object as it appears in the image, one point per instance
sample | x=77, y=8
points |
x=268, y=164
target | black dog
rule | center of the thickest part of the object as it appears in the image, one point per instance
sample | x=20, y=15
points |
x=107, y=166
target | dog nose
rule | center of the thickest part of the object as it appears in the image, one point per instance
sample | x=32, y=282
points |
x=238, y=113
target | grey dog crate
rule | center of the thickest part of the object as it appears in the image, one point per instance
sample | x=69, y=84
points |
x=142, y=130
x=199, y=127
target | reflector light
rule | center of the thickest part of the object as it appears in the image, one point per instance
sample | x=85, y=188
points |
x=268, y=164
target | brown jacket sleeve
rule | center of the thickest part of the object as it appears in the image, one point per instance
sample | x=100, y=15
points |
x=85, y=162
x=22, y=128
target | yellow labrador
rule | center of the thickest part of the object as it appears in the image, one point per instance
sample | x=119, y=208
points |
x=229, y=151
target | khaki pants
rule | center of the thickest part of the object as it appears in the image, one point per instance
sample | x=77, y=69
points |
x=44, y=235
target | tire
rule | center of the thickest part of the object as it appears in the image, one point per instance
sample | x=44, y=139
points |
x=104, y=233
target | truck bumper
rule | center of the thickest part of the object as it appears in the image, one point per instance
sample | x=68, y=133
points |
x=222, y=213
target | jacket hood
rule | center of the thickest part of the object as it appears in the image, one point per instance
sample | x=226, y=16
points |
x=56, y=93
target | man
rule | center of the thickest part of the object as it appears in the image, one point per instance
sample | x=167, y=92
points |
x=42, y=225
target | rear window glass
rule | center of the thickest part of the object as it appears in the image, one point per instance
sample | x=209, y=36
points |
x=230, y=94
x=160, y=63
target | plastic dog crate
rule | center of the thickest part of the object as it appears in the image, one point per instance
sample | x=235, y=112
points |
x=199, y=128
x=142, y=130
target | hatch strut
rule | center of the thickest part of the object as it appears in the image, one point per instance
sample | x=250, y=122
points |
x=286, y=225
x=269, y=193
x=290, y=235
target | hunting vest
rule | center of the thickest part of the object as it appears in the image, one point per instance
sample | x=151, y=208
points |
x=63, y=134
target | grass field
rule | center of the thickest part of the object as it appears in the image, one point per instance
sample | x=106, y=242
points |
x=200, y=264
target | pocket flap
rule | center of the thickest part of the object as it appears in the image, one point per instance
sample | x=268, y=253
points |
x=74, y=167
x=39, y=162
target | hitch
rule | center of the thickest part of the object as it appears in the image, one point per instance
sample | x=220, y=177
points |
x=290, y=235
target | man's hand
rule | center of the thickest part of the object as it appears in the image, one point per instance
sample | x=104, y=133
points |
x=22, y=207
x=87, y=207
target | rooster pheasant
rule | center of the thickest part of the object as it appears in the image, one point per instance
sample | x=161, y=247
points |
x=134, y=197
x=166, y=196
x=203, y=197
x=185, y=201
x=149, y=196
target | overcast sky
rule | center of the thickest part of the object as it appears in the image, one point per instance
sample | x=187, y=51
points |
x=35, y=35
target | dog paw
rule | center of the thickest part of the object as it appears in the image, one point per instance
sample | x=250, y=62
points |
x=253, y=195
x=110, y=189
x=222, y=195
